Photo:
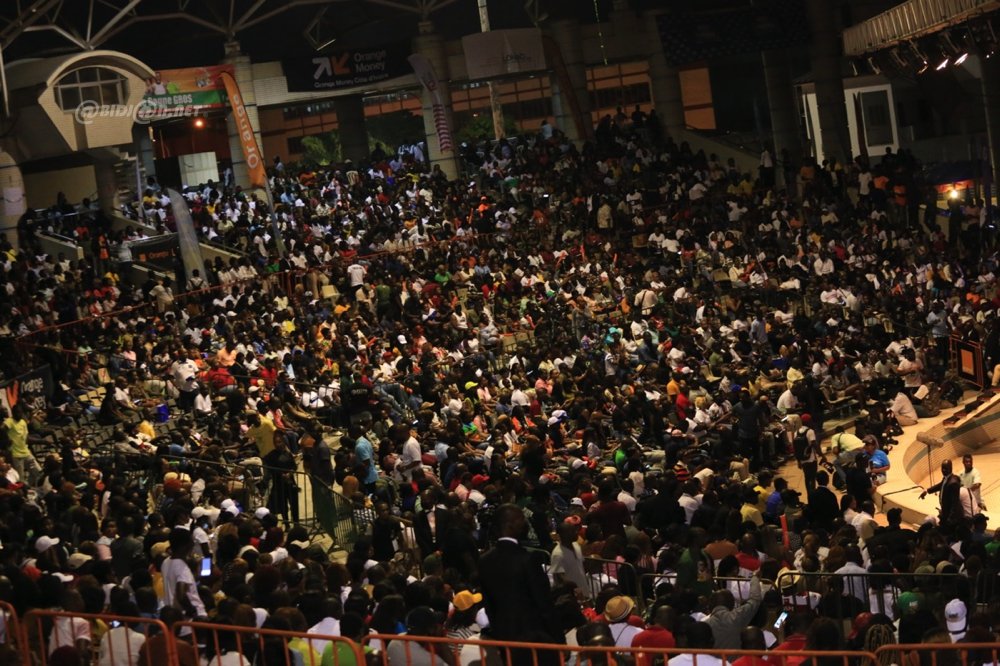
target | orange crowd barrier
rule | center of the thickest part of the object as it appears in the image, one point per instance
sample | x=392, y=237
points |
x=939, y=654
x=50, y=637
x=227, y=645
x=403, y=650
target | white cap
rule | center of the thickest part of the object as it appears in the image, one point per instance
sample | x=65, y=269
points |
x=43, y=543
x=954, y=616
x=226, y=504
x=576, y=501
x=262, y=512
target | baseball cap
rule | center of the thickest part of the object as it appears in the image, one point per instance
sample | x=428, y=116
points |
x=77, y=560
x=910, y=602
x=576, y=501
x=465, y=600
x=955, y=614
x=262, y=513
x=480, y=480
x=43, y=543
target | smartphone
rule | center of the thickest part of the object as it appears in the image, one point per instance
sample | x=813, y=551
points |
x=206, y=567
x=780, y=622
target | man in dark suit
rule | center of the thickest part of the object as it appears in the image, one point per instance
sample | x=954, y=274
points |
x=432, y=522
x=823, y=507
x=516, y=591
x=950, y=487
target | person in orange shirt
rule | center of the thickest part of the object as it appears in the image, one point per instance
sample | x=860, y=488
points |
x=227, y=355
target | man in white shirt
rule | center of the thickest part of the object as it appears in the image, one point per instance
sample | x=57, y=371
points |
x=179, y=585
x=690, y=499
x=972, y=480
x=328, y=626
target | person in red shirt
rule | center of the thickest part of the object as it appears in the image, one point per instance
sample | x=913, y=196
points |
x=657, y=634
x=795, y=639
x=610, y=514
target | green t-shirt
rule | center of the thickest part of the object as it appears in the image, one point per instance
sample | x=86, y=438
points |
x=339, y=653
x=17, y=432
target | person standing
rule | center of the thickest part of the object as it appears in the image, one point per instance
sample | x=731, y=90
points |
x=364, y=455
x=516, y=590
x=22, y=459
x=749, y=415
x=567, y=559
x=950, y=489
x=971, y=480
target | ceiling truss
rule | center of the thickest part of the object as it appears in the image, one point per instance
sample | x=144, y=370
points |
x=104, y=19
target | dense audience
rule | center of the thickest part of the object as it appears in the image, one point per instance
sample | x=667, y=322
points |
x=556, y=395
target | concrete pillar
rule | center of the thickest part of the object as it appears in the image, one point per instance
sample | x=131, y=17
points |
x=15, y=202
x=665, y=80
x=243, y=73
x=142, y=144
x=351, y=127
x=781, y=104
x=431, y=45
x=107, y=185
x=828, y=76
x=566, y=36
x=990, y=79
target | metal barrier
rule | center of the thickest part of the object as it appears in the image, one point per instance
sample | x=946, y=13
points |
x=297, y=497
x=11, y=631
x=105, y=639
x=602, y=572
x=404, y=650
x=877, y=592
x=738, y=585
x=940, y=654
x=215, y=645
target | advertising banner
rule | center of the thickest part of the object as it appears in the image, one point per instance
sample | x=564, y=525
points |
x=194, y=88
x=160, y=252
x=502, y=52
x=346, y=69
x=251, y=151
x=32, y=389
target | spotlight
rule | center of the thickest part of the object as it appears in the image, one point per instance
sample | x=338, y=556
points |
x=921, y=58
x=199, y=123
x=944, y=63
x=953, y=194
x=962, y=58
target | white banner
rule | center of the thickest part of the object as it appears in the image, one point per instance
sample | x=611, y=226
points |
x=502, y=52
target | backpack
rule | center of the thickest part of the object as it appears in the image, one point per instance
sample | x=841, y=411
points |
x=800, y=445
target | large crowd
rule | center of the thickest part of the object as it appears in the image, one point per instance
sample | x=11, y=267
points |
x=563, y=397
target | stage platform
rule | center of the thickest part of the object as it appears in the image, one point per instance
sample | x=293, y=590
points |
x=973, y=427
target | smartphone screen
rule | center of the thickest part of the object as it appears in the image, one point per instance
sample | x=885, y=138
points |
x=780, y=622
x=206, y=567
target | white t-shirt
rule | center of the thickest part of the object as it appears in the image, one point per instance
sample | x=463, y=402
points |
x=177, y=571
x=356, y=273
x=120, y=647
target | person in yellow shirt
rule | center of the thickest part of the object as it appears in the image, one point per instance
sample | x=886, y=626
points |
x=22, y=459
x=261, y=431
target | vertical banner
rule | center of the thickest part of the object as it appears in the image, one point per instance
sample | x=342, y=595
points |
x=425, y=72
x=190, y=248
x=251, y=151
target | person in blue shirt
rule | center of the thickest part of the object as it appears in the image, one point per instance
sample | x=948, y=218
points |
x=878, y=460
x=364, y=454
